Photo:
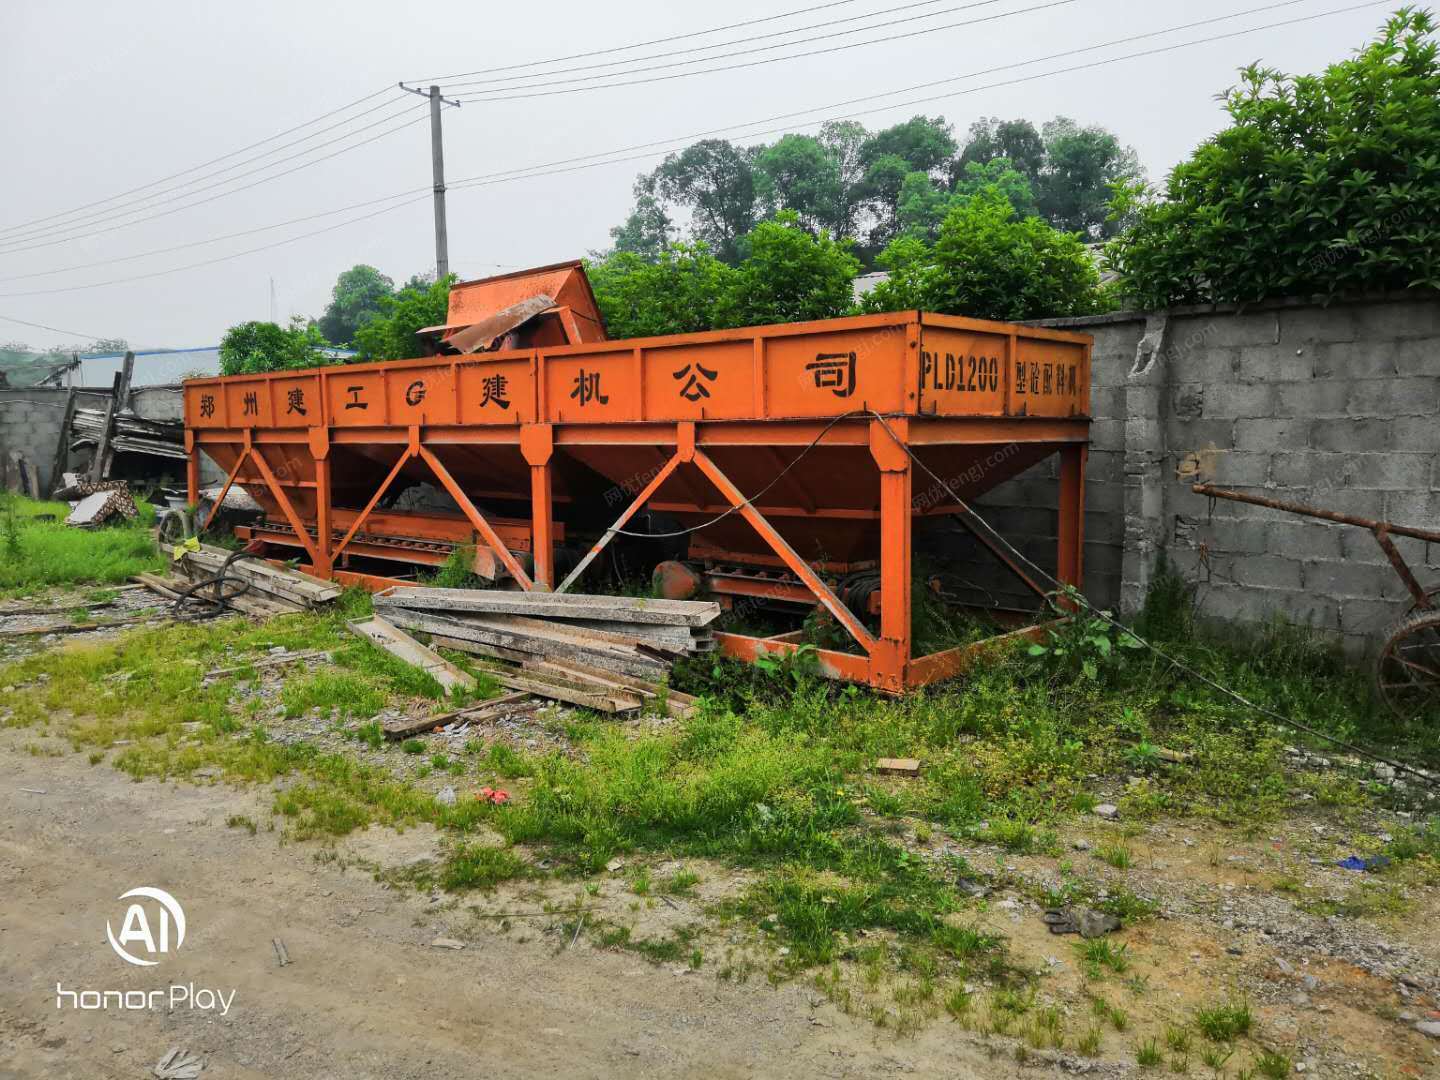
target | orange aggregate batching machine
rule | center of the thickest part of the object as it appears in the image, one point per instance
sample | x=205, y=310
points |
x=784, y=464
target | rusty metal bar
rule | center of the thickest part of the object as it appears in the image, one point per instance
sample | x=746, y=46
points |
x=1382, y=537
x=1428, y=535
x=620, y=522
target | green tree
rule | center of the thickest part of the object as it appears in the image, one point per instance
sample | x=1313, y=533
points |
x=390, y=335
x=800, y=174
x=354, y=300
x=843, y=141
x=677, y=293
x=989, y=263
x=921, y=144
x=715, y=180
x=924, y=204
x=1082, y=167
x=1321, y=184
x=791, y=275
x=1017, y=141
x=253, y=347
x=648, y=229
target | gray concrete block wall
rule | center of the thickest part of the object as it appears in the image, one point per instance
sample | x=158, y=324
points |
x=1333, y=406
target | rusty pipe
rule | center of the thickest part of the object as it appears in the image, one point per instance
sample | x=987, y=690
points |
x=1325, y=515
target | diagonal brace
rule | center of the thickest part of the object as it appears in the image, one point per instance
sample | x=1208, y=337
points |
x=781, y=547
x=476, y=518
x=284, y=501
x=620, y=522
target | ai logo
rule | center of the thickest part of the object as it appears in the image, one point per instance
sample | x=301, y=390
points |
x=137, y=927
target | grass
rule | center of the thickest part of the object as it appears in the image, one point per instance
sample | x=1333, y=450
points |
x=1225, y=1021
x=37, y=554
x=771, y=773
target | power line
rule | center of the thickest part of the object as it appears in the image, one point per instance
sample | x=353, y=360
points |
x=508, y=96
x=504, y=176
x=223, y=194
x=636, y=45
x=726, y=44
x=194, y=168
x=52, y=329
x=117, y=210
x=55, y=239
x=585, y=162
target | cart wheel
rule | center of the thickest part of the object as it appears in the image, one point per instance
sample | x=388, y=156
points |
x=1433, y=595
x=1407, y=674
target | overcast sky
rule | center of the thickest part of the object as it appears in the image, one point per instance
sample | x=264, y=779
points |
x=101, y=98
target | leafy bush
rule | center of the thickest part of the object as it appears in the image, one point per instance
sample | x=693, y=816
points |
x=390, y=335
x=1322, y=183
x=253, y=347
x=989, y=263
x=676, y=294
x=789, y=275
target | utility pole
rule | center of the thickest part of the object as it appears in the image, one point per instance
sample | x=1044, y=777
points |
x=437, y=167
x=437, y=171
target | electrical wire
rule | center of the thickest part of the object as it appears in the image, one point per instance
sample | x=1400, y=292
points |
x=670, y=54
x=587, y=162
x=505, y=96
x=636, y=45
x=52, y=329
x=193, y=168
x=244, y=187
x=118, y=209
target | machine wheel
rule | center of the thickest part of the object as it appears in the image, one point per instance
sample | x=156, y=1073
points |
x=1407, y=673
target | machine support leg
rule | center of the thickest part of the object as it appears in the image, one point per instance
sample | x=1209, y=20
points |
x=889, y=662
x=781, y=547
x=537, y=444
x=320, y=451
x=1069, y=560
x=192, y=469
x=620, y=522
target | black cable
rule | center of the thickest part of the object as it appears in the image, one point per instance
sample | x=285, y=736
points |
x=193, y=168
x=118, y=210
x=52, y=329
x=977, y=523
x=11, y=250
x=726, y=44
x=505, y=96
x=750, y=501
x=218, y=602
x=537, y=171
x=635, y=45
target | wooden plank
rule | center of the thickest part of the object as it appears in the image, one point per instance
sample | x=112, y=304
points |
x=561, y=628
x=571, y=696
x=62, y=450
x=680, y=710
x=631, y=609
x=601, y=655
x=404, y=647
x=475, y=648
x=898, y=766
x=274, y=661
x=298, y=594
x=75, y=628
x=404, y=729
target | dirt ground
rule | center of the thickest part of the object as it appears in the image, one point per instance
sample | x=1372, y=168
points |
x=366, y=994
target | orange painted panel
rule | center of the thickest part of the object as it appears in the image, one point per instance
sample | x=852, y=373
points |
x=590, y=387
x=204, y=405
x=247, y=404
x=356, y=398
x=421, y=395
x=710, y=381
x=296, y=400
x=963, y=372
x=823, y=374
x=1050, y=378
x=497, y=392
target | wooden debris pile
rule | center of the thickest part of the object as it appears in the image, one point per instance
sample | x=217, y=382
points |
x=247, y=584
x=130, y=434
x=608, y=653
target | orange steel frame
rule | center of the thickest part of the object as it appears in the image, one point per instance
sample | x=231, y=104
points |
x=914, y=418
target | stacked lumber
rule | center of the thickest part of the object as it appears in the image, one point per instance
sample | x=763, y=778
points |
x=608, y=653
x=273, y=590
x=132, y=434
